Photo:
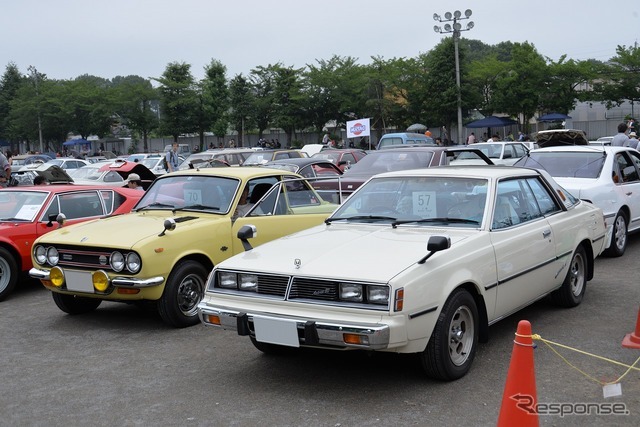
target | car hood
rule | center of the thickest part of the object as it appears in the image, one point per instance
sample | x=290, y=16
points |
x=377, y=253
x=129, y=229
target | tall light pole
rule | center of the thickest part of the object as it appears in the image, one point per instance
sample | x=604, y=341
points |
x=34, y=74
x=455, y=29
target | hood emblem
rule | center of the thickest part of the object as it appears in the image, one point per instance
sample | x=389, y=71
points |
x=297, y=263
x=84, y=239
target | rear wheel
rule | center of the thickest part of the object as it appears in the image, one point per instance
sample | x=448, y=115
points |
x=8, y=273
x=73, y=304
x=184, y=289
x=454, y=339
x=574, y=286
x=619, y=238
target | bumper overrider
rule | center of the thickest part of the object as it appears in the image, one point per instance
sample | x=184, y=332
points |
x=296, y=332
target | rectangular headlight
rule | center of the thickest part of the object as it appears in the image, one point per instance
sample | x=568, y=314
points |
x=351, y=292
x=227, y=280
x=378, y=294
x=248, y=282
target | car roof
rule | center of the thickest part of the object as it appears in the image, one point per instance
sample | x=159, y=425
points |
x=298, y=161
x=477, y=171
x=582, y=148
x=243, y=173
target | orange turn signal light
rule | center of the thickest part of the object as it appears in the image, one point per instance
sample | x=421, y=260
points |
x=355, y=339
x=128, y=291
x=214, y=319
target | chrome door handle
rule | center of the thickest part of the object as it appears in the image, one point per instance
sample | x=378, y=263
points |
x=546, y=233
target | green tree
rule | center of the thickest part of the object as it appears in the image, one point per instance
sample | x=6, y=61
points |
x=178, y=101
x=619, y=79
x=241, y=102
x=10, y=83
x=214, y=101
x=263, y=84
x=287, y=99
x=134, y=101
x=518, y=89
x=564, y=79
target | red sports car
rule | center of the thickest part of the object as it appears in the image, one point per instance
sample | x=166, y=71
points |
x=29, y=212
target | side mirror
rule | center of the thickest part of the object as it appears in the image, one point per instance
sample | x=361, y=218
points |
x=169, y=225
x=245, y=233
x=436, y=244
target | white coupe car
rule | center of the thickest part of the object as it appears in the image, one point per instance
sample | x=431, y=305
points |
x=608, y=177
x=416, y=261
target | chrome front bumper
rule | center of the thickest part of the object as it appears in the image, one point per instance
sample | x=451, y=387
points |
x=312, y=333
x=130, y=282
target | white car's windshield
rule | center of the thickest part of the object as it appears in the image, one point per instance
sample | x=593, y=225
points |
x=426, y=200
x=382, y=161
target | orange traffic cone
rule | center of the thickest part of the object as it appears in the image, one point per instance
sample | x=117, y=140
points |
x=632, y=340
x=519, y=401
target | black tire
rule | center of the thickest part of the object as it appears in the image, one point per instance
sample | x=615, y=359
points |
x=574, y=286
x=454, y=339
x=8, y=273
x=184, y=289
x=619, y=237
x=72, y=304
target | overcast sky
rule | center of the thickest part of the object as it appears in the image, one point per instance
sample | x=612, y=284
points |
x=67, y=38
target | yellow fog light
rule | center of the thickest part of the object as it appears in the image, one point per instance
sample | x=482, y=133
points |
x=100, y=281
x=56, y=275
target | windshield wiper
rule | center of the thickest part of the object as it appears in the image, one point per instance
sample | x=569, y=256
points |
x=14, y=219
x=441, y=219
x=156, y=205
x=357, y=217
x=184, y=208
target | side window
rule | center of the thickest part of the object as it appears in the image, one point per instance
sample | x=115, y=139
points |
x=308, y=171
x=112, y=176
x=505, y=214
x=627, y=168
x=545, y=201
x=112, y=200
x=280, y=156
x=349, y=158
x=635, y=158
x=81, y=205
x=519, y=149
x=53, y=209
x=300, y=194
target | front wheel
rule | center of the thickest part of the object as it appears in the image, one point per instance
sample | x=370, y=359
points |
x=184, y=289
x=72, y=304
x=574, y=286
x=8, y=273
x=619, y=238
x=454, y=339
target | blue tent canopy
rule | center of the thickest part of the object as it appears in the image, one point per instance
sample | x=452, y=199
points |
x=4, y=143
x=553, y=117
x=78, y=141
x=492, y=122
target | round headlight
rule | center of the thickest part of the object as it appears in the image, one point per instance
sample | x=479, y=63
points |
x=100, y=280
x=116, y=261
x=133, y=262
x=52, y=256
x=40, y=253
x=56, y=276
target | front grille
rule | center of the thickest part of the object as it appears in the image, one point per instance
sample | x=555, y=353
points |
x=84, y=258
x=314, y=289
x=272, y=285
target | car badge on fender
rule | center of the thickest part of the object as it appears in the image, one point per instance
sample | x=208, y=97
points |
x=297, y=262
x=84, y=239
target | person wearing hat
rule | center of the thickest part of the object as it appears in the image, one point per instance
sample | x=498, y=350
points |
x=633, y=140
x=133, y=181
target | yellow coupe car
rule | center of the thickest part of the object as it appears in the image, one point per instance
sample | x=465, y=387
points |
x=185, y=224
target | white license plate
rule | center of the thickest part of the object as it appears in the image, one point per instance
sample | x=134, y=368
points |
x=276, y=331
x=79, y=281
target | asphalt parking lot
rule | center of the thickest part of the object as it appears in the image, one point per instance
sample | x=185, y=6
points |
x=121, y=365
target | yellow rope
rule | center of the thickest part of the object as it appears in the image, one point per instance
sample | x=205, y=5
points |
x=551, y=343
